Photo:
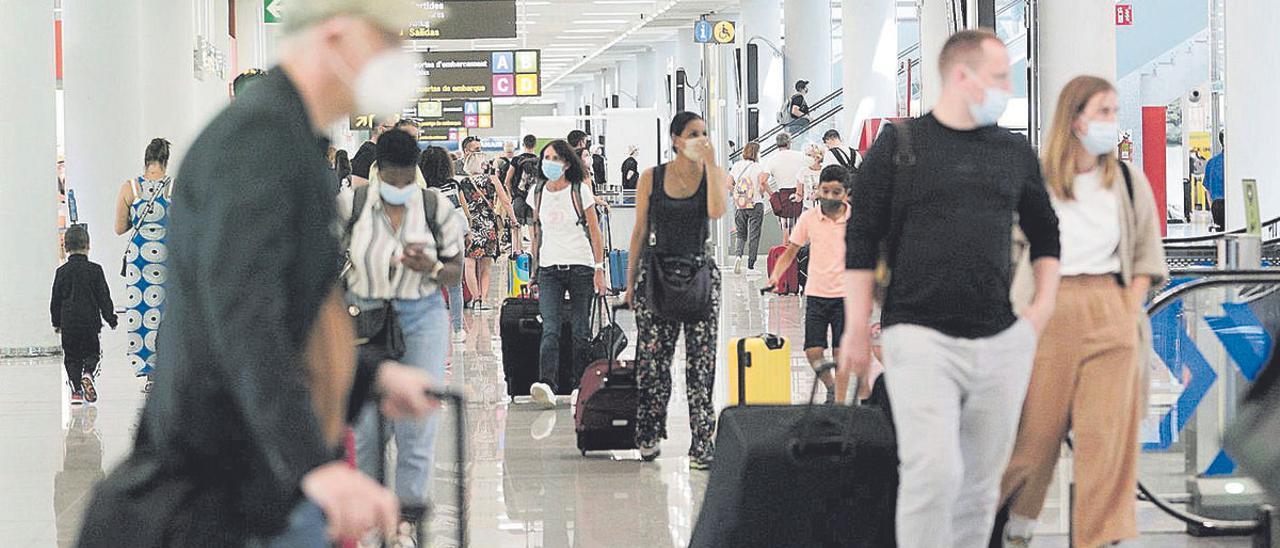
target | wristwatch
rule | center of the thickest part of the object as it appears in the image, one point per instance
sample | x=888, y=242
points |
x=599, y=266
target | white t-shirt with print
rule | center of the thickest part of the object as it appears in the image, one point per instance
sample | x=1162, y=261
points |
x=809, y=181
x=564, y=242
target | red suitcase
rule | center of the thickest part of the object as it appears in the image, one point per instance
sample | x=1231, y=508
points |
x=790, y=281
x=605, y=413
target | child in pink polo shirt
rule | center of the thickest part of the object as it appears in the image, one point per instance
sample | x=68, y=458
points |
x=823, y=229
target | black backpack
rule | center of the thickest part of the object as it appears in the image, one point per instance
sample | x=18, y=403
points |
x=844, y=158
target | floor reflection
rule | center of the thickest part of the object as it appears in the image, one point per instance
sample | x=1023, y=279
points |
x=81, y=469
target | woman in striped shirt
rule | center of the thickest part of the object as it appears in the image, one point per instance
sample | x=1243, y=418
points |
x=403, y=251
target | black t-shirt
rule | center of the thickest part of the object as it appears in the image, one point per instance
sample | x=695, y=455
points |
x=597, y=171
x=364, y=159
x=513, y=170
x=797, y=100
x=630, y=173
x=950, y=238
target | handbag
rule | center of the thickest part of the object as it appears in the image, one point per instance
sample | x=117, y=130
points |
x=378, y=328
x=678, y=286
x=609, y=340
x=782, y=205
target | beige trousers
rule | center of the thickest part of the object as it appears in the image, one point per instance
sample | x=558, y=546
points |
x=1086, y=380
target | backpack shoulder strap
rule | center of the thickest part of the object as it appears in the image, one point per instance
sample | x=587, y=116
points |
x=357, y=207
x=430, y=207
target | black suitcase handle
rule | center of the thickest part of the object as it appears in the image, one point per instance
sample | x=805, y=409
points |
x=459, y=403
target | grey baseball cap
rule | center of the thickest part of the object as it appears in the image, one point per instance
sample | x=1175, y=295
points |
x=393, y=16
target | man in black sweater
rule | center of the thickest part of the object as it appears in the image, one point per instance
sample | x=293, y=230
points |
x=81, y=302
x=942, y=192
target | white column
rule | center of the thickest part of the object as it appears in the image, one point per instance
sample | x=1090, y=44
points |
x=870, y=41
x=105, y=141
x=762, y=27
x=650, y=77
x=934, y=31
x=1076, y=38
x=250, y=36
x=628, y=85
x=1252, y=111
x=807, y=46
x=28, y=202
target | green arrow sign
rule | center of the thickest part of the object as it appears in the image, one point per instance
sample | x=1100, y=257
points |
x=273, y=10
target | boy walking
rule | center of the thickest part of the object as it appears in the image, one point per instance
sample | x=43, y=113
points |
x=80, y=303
x=823, y=228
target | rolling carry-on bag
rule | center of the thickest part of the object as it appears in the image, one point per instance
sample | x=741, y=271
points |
x=518, y=274
x=520, y=327
x=801, y=476
x=422, y=512
x=789, y=282
x=605, y=413
x=616, y=259
x=760, y=370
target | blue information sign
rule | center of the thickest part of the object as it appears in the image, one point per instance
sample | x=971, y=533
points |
x=702, y=32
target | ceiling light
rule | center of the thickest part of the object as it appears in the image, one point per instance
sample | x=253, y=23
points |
x=622, y=2
x=590, y=31
x=600, y=22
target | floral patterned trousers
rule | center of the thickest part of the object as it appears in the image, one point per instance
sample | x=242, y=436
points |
x=655, y=348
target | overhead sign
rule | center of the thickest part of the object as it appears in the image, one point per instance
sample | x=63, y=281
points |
x=480, y=74
x=714, y=32
x=1124, y=15
x=273, y=10
x=463, y=20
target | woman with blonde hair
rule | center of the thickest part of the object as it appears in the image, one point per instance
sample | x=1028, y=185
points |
x=1089, y=373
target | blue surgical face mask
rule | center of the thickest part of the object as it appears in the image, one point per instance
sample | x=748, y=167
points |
x=397, y=195
x=992, y=107
x=1100, y=137
x=552, y=170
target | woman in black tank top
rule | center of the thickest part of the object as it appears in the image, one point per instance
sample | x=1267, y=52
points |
x=680, y=198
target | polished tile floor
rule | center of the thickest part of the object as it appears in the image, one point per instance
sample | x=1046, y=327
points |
x=529, y=487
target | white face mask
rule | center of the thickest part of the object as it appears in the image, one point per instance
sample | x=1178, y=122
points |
x=1100, y=137
x=387, y=83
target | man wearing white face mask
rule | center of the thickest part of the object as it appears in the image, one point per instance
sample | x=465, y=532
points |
x=238, y=442
x=942, y=192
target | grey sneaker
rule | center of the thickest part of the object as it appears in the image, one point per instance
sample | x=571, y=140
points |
x=699, y=464
x=737, y=266
x=543, y=395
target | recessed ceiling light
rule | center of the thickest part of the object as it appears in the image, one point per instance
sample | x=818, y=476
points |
x=600, y=22
x=622, y=2
x=589, y=31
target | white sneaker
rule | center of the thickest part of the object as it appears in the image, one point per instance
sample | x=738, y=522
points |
x=543, y=425
x=737, y=266
x=460, y=336
x=543, y=395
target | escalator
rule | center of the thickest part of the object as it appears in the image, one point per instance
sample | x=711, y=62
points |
x=1194, y=384
x=1202, y=251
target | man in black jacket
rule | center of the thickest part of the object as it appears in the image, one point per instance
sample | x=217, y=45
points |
x=238, y=443
x=81, y=302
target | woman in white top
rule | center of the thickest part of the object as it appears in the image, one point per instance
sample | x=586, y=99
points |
x=569, y=257
x=809, y=177
x=749, y=188
x=403, y=251
x=1089, y=373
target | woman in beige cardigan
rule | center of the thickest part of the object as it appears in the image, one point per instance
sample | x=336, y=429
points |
x=1089, y=375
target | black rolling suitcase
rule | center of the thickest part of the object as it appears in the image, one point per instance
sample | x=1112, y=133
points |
x=801, y=476
x=520, y=327
x=458, y=404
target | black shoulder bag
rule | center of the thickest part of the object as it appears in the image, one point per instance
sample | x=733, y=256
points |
x=678, y=286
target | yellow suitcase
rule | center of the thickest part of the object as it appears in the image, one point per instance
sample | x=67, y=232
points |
x=765, y=362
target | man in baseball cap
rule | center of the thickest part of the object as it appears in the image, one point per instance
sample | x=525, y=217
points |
x=238, y=441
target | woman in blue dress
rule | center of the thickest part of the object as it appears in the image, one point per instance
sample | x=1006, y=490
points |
x=142, y=212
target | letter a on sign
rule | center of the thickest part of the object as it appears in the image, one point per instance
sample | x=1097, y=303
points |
x=503, y=62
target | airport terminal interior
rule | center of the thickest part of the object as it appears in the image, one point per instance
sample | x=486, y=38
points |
x=131, y=126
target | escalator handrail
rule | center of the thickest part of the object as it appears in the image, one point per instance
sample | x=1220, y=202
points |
x=1214, y=237
x=1206, y=279
x=737, y=153
x=816, y=121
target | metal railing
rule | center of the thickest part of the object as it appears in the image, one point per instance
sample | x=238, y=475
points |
x=775, y=130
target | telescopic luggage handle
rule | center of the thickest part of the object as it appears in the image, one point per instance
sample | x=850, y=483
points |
x=459, y=403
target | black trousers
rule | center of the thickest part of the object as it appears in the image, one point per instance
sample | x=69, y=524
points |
x=81, y=352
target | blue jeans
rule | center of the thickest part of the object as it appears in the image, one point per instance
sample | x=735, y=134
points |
x=426, y=334
x=455, y=306
x=553, y=282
